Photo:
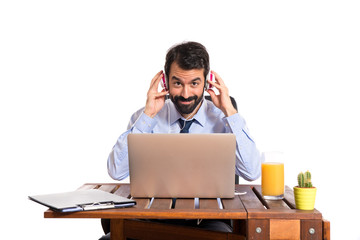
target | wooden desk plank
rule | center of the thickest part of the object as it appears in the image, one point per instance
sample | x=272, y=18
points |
x=250, y=200
x=141, y=203
x=143, y=213
x=161, y=203
x=326, y=229
x=254, y=213
x=123, y=190
x=208, y=204
x=271, y=204
x=314, y=233
x=289, y=197
x=233, y=204
x=182, y=203
x=117, y=229
x=258, y=229
x=277, y=204
x=111, y=188
x=88, y=186
x=284, y=229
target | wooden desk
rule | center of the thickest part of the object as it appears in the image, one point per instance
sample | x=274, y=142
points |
x=254, y=217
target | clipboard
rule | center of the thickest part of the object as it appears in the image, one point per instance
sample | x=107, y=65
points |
x=82, y=200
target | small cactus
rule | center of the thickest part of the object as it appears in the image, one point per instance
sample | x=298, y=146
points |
x=308, y=179
x=301, y=179
x=304, y=180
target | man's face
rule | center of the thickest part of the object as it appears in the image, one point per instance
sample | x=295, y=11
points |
x=186, y=88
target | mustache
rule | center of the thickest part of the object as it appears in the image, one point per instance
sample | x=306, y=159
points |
x=189, y=99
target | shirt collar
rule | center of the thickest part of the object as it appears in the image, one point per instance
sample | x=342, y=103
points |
x=200, y=116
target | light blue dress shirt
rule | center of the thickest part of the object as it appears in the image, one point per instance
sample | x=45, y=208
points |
x=208, y=119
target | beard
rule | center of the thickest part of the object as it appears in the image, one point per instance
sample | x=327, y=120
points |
x=188, y=108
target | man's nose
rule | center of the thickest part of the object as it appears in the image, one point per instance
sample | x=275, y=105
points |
x=185, y=93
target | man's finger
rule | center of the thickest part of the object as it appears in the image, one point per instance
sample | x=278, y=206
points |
x=156, y=79
x=161, y=94
x=217, y=85
x=212, y=93
x=213, y=96
x=218, y=78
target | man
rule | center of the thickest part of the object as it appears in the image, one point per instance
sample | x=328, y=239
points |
x=186, y=69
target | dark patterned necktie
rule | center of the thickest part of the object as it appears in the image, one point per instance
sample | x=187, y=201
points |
x=185, y=125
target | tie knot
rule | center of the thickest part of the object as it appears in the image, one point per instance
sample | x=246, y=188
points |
x=185, y=125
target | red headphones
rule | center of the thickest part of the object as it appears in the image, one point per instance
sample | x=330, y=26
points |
x=210, y=77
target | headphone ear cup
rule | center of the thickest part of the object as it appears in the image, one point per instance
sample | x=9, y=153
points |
x=164, y=82
x=210, y=78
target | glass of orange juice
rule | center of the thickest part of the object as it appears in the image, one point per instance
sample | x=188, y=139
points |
x=272, y=177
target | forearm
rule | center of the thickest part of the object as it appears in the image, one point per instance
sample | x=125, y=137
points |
x=248, y=163
x=118, y=163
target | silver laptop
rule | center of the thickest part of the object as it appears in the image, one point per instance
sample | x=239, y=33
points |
x=182, y=165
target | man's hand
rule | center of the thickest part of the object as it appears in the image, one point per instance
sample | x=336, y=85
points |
x=221, y=101
x=155, y=100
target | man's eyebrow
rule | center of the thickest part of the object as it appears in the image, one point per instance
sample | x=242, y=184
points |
x=178, y=79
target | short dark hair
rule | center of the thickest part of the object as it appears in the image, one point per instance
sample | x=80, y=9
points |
x=188, y=55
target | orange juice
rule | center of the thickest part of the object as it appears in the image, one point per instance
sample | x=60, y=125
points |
x=272, y=180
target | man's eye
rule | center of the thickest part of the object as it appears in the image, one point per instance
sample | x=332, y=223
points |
x=195, y=83
x=177, y=83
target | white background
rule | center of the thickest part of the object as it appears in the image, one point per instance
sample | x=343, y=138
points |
x=72, y=73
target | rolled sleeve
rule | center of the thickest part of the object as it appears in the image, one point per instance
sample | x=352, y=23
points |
x=145, y=124
x=248, y=163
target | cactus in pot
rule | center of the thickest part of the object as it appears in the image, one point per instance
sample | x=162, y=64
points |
x=305, y=192
x=304, y=180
